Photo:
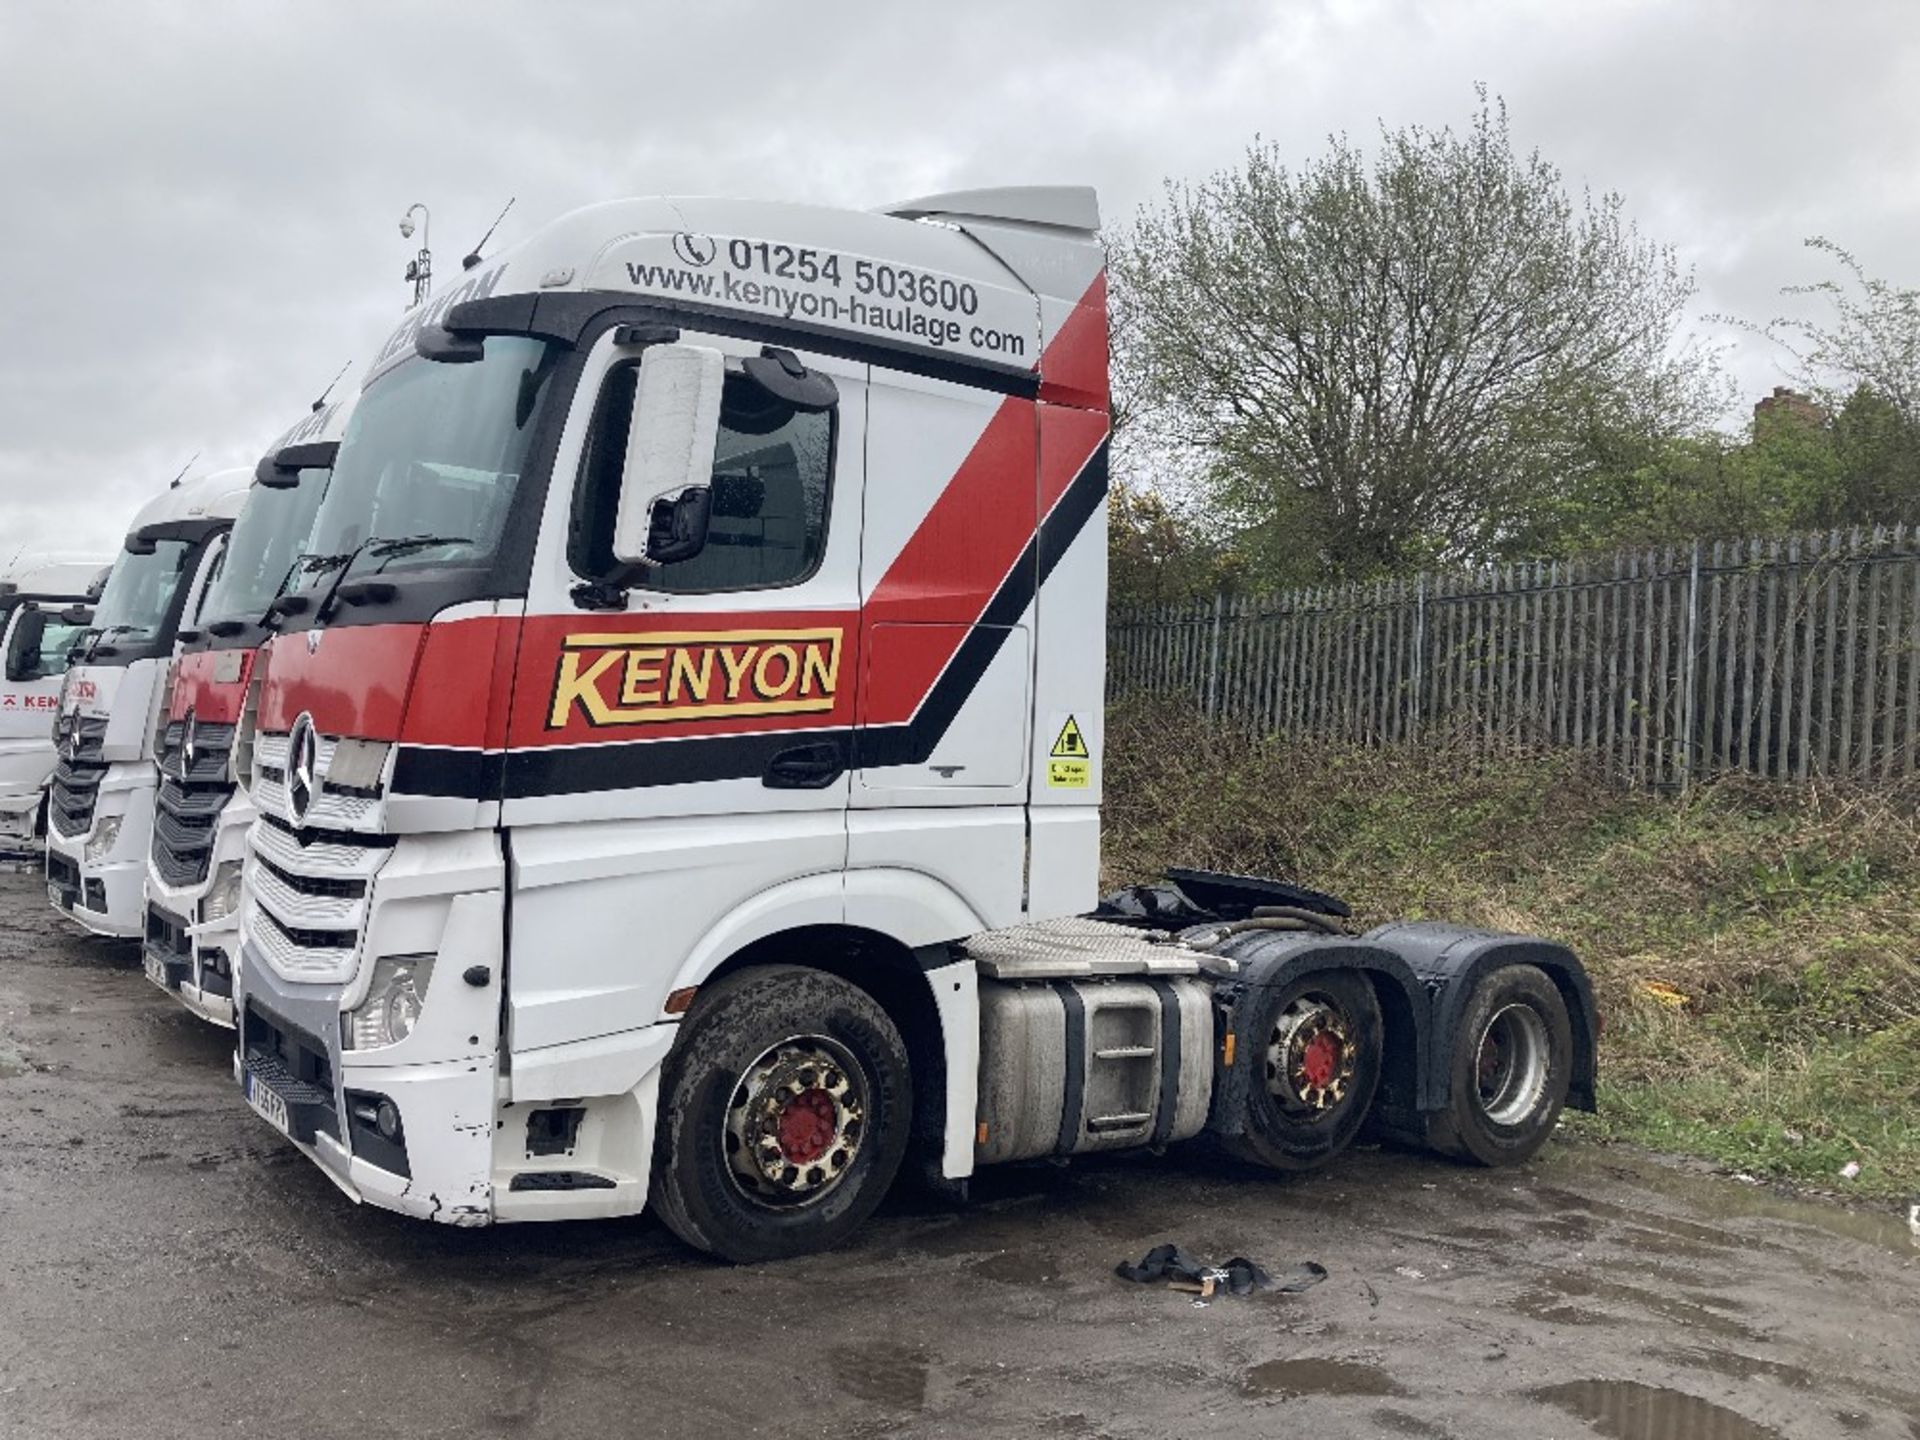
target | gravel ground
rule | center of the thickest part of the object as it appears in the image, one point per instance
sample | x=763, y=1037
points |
x=170, y=1267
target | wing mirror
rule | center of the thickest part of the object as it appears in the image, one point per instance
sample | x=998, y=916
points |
x=666, y=496
x=23, y=650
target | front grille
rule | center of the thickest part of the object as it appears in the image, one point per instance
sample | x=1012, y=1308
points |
x=192, y=794
x=310, y=887
x=76, y=778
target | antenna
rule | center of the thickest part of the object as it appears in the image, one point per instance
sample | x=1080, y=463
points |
x=473, y=255
x=330, y=384
x=175, y=483
x=420, y=268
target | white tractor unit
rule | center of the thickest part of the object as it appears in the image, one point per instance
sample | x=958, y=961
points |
x=201, y=811
x=681, y=783
x=42, y=613
x=112, y=703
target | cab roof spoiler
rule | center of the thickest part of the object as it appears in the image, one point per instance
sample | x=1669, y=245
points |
x=1054, y=207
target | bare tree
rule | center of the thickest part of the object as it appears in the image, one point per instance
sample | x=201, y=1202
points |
x=1399, y=361
x=1871, y=341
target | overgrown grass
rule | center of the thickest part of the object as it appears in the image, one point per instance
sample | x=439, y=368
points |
x=1755, y=948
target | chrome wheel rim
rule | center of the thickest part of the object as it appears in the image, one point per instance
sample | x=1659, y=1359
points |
x=1310, y=1057
x=796, y=1119
x=1512, y=1064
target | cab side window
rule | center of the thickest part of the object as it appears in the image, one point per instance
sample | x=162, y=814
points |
x=772, y=480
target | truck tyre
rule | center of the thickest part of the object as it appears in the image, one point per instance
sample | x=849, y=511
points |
x=1512, y=1061
x=1319, y=1053
x=785, y=1109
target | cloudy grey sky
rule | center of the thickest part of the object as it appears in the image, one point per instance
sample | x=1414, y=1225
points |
x=198, y=200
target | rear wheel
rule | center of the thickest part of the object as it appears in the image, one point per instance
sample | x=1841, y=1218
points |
x=1320, y=1040
x=1512, y=1061
x=785, y=1110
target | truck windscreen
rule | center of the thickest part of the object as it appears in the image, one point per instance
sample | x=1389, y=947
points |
x=434, y=450
x=267, y=541
x=139, y=594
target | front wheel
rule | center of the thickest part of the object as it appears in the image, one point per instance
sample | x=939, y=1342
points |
x=1512, y=1062
x=784, y=1113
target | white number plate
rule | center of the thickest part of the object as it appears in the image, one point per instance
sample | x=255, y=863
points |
x=55, y=896
x=269, y=1106
x=156, y=971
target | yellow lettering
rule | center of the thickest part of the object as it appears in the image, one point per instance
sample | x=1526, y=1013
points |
x=765, y=688
x=643, y=668
x=698, y=682
x=575, y=684
x=736, y=669
x=820, y=669
x=661, y=676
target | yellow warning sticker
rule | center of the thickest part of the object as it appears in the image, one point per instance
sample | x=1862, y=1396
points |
x=1069, y=762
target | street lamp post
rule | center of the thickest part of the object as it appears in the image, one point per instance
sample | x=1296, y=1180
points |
x=420, y=268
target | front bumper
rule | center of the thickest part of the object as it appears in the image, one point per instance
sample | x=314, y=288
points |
x=289, y=1045
x=195, y=967
x=196, y=963
x=19, y=815
x=106, y=896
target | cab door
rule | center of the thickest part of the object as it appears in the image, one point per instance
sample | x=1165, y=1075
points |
x=676, y=760
x=947, y=578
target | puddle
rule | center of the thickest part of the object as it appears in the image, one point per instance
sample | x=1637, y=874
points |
x=1398, y=1422
x=893, y=1376
x=1549, y=1301
x=1015, y=1267
x=1739, y=1367
x=1318, y=1377
x=1722, y=1197
x=1626, y=1411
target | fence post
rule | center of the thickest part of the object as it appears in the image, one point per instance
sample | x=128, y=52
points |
x=1690, y=670
x=1213, y=657
x=1419, y=654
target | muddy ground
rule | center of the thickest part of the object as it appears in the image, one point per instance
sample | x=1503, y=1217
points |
x=170, y=1267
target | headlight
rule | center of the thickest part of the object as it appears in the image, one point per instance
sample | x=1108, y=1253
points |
x=224, y=898
x=100, y=843
x=392, y=1007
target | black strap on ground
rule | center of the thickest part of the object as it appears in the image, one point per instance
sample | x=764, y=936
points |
x=1238, y=1276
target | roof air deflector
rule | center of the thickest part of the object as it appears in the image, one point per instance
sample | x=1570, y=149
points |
x=1059, y=207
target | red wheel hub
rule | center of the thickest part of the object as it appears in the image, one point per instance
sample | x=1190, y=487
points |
x=807, y=1126
x=1320, y=1060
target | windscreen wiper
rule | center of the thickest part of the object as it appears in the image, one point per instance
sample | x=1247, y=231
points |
x=305, y=557
x=93, y=644
x=389, y=548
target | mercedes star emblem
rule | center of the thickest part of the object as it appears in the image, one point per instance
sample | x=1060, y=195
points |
x=303, y=765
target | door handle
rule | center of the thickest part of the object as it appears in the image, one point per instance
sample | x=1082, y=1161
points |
x=805, y=767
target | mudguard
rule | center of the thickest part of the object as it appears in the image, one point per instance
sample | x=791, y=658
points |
x=1270, y=958
x=1449, y=961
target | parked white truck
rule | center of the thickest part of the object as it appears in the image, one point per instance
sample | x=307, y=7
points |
x=40, y=618
x=201, y=811
x=100, y=802
x=680, y=788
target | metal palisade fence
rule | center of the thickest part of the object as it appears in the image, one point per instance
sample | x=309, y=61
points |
x=1791, y=658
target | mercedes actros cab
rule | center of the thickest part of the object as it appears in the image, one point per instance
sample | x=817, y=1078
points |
x=201, y=811
x=100, y=802
x=41, y=615
x=685, y=787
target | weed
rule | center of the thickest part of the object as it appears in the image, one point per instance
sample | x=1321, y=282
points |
x=1755, y=946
